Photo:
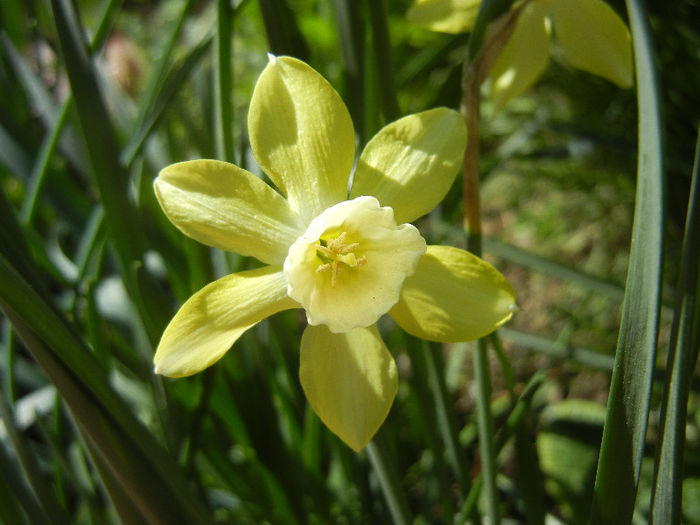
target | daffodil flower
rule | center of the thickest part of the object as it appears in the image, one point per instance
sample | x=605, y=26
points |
x=590, y=35
x=345, y=258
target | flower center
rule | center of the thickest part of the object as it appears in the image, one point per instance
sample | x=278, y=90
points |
x=348, y=267
x=334, y=252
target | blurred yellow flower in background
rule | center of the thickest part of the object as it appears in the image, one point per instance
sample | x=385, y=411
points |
x=589, y=34
x=346, y=258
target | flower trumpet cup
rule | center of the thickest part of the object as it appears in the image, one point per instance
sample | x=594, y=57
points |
x=345, y=258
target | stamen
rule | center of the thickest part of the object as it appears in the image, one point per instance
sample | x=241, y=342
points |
x=335, y=251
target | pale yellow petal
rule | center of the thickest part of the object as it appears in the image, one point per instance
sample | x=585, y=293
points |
x=453, y=296
x=524, y=57
x=411, y=163
x=594, y=38
x=348, y=267
x=301, y=135
x=349, y=379
x=222, y=205
x=446, y=16
x=211, y=320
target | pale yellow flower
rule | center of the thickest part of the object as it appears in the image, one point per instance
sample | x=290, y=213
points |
x=590, y=35
x=346, y=258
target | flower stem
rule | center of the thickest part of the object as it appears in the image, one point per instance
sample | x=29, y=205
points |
x=470, y=182
x=485, y=427
x=444, y=412
x=473, y=73
x=388, y=480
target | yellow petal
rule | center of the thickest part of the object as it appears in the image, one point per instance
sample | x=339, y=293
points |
x=411, y=163
x=301, y=135
x=594, y=39
x=224, y=206
x=453, y=296
x=349, y=379
x=211, y=320
x=524, y=57
x=447, y=16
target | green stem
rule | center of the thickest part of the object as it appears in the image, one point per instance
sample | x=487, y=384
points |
x=484, y=48
x=506, y=369
x=471, y=85
x=445, y=415
x=510, y=427
x=485, y=427
x=388, y=480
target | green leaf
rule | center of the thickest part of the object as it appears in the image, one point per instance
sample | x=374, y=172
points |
x=628, y=404
x=45, y=105
x=283, y=35
x=110, y=176
x=385, y=468
x=149, y=101
x=682, y=358
x=142, y=467
x=223, y=87
x=163, y=93
x=37, y=480
x=15, y=496
x=351, y=33
x=12, y=155
x=381, y=46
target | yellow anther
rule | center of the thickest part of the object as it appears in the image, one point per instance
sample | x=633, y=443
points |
x=335, y=251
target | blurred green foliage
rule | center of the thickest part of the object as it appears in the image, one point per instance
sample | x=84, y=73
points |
x=87, y=251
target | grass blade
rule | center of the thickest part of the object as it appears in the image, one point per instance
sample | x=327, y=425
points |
x=109, y=174
x=167, y=89
x=222, y=85
x=12, y=155
x=352, y=47
x=135, y=459
x=44, y=103
x=682, y=356
x=38, y=482
x=444, y=410
x=388, y=479
x=487, y=450
x=628, y=404
x=283, y=35
x=15, y=496
x=381, y=44
x=156, y=83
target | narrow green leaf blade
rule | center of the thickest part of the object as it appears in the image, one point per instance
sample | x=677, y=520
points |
x=109, y=174
x=223, y=87
x=628, y=405
x=283, y=34
x=381, y=44
x=682, y=357
x=140, y=464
